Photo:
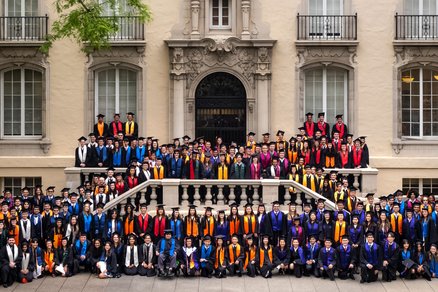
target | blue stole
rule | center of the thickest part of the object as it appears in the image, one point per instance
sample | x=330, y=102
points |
x=87, y=222
x=425, y=229
x=222, y=229
x=276, y=220
x=163, y=246
x=128, y=156
x=176, y=229
x=102, y=152
x=388, y=250
x=99, y=224
x=139, y=153
x=82, y=251
x=205, y=254
x=176, y=167
x=434, y=217
x=312, y=254
x=110, y=227
x=328, y=256
x=345, y=256
x=37, y=227
x=354, y=234
x=312, y=229
x=371, y=254
x=38, y=255
x=117, y=158
x=74, y=210
x=407, y=255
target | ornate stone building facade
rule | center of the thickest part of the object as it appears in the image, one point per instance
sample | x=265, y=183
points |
x=227, y=67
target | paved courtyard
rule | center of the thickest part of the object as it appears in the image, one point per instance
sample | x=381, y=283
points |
x=85, y=282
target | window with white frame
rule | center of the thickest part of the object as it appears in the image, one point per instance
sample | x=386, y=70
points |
x=220, y=14
x=17, y=183
x=326, y=7
x=419, y=102
x=423, y=185
x=21, y=103
x=326, y=90
x=115, y=91
x=20, y=23
x=422, y=20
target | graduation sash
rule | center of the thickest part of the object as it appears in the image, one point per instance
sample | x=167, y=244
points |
x=128, y=227
x=172, y=246
x=234, y=225
x=341, y=129
x=339, y=230
x=231, y=253
x=396, y=224
x=220, y=257
x=344, y=158
x=311, y=185
x=357, y=157
x=222, y=172
x=310, y=128
x=292, y=155
x=129, y=128
x=339, y=196
x=262, y=256
x=205, y=253
x=100, y=127
x=192, y=227
x=250, y=256
x=159, y=172
x=249, y=224
x=209, y=226
x=48, y=258
x=143, y=222
x=329, y=161
x=159, y=226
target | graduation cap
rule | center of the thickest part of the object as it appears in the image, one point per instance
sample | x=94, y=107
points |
x=292, y=139
x=234, y=204
x=175, y=208
x=329, y=239
x=352, y=188
x=130, y=114
x=397, y=192
x=91, y=135
x=168, y=231
x=266, y=135
x=65, y=190
x=425, y=209
x=297, y=218
x=280, y=132
x=362, y=137
x=350, y=135
x=249, y=236
x=87, y=202
x=409, y=210
x=208, y=208
x=321, y=114
x=369, y=233
x=369, y=195
x=192, y=206
x=301, y=128
x=309, y=114
x=339, y=116
x=185, y=137
x=82, y=139
x=355, y=216
x=221, y=211
x=220, y=236
x=100, y=116
x=321, y=200
x=251, y=134
x=307, y=166
x=265, y=236
x=160, y=206
x=100, y=205
x=345, y=236
x=275, y=203
x=207, y=237
x=383, y=198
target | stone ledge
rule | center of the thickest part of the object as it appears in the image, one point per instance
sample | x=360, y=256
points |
x=326, y=43
x=11, y=146
x=399, y=144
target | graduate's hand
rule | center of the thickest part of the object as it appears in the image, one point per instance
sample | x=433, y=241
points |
x=82, y=257
x=157, y=253
x=370, y=266
x=236, y=262
x=100, y=164
x=385, y=263
x=252, y=262
x=12, y=265
x=82, y=165
x=351, y=266
x=330, y=266
x=151, y=266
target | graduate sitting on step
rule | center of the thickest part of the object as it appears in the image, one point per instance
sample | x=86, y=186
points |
x=265, y=258
x=147, y=265
x=250, y=256
x=236, y=256
x=167, y=250
x=131, y=256
x=346, y=259
x=206, y=255
x=188, y=259
x=327, y=260
x=220, y=261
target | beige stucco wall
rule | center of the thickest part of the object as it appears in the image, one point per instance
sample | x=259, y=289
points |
x=374, y=89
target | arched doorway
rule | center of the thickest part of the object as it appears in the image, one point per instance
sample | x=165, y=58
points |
x=221, y=108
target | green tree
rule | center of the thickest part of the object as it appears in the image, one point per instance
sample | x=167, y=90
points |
x=83, y=21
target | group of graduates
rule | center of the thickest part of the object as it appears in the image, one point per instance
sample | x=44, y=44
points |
x=303, y=158
x=47, y=235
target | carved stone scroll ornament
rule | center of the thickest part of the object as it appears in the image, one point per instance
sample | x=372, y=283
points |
x=344, y=55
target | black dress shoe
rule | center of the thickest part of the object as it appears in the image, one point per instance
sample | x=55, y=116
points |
x=5, y=285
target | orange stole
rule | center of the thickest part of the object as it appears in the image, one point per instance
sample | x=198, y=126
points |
x=100, y=129
x=329, y=162
x=128, y=226
x=262, y=256
x=249, y=256
x=230, y=251
x=220, y=257
x=192, y=224
x=398, y=224
x=339, y=231
x=246, y=224
x=48, y=258
x=234, y=225
x=292, y=156
x=209, y=225
x=159, y=175
x=16, y=233
x=57, y=240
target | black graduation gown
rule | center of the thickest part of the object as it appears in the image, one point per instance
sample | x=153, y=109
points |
x=135, y=133
x=390, y=254
x=96, y=130
x=88, y=157
x=8, y=275
x=140, y=225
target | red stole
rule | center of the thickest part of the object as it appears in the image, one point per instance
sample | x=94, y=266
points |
x=159, y=226
x=143, y=223
x=192, y=171
x=321, y=127
x=306, y=155
x=317, y=153
x=117, y=127
x=344, y=158
x=132, y=182
x=341, y=129
x=357, y=157
x=255, y=171
x=310, y=129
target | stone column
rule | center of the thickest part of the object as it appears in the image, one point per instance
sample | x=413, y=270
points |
x=263, y=80
x=170, y=192
x=246, y=7
x=178, y=78
x=194, y=6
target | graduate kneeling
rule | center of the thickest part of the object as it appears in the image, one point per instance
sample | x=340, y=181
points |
x=327, y=260
x=188, y=259
x=167, y=250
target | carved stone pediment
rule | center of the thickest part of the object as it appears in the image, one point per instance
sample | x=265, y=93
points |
x=335, y=54
x=407, y=54
x=208, y=53
x=22, y=54
x=129, y=54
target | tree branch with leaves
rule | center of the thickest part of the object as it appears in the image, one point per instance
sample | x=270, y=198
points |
x=92, y=23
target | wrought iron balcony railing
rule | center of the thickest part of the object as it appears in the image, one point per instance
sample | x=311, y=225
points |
x=23, y=28
x=416, y=27
x=327, y=27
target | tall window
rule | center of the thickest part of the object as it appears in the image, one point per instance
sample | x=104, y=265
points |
x=21, y=102
x=220, y=14
x=115, y=91
x=420, y=103
x=423, y=24
x=17, y=183
x=326, y=90
x=423, y=185
x=20, y=23
x=326, y=7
